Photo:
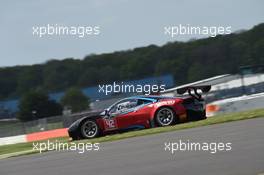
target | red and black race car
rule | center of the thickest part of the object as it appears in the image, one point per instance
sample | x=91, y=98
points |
x=143, y=112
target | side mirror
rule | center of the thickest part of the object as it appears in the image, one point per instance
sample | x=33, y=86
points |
x=106, y=112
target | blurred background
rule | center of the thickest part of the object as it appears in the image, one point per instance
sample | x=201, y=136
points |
x=47, y=83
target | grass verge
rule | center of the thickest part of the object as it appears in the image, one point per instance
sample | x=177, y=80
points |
x=26, y=148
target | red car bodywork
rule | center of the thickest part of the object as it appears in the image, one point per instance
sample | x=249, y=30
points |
x=141, y=112
x=142, y=116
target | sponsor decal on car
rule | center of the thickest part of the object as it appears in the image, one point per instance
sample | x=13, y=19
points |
x=162, y=103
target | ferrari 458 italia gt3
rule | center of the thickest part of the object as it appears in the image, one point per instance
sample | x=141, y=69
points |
x=141, y=112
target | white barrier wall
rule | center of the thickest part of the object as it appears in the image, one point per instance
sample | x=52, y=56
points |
x=13, y=140
x=237, y=104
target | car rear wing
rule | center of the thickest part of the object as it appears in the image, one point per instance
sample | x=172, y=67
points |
x=193, y=90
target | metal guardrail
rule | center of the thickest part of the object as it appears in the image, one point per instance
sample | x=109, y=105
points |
x=12, y=128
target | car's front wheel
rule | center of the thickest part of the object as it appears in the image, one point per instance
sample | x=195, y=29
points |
x=165, y=117
x=89, y=129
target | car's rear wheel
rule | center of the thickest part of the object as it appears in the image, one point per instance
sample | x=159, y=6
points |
x=89, y=129
x=165, y=117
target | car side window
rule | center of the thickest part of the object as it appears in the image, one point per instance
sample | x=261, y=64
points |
x=123, y=106
x=143, y=102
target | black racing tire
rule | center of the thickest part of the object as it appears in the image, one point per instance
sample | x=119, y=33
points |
x=165, y=116
x=89, y=129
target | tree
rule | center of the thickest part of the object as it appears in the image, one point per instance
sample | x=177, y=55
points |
x=75, y=99
x=36, y=104
x=186, y=61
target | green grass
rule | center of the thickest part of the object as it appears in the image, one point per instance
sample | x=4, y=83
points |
x=21, y=147
x=26, y=148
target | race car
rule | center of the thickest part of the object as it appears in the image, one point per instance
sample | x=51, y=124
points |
x=141, y=112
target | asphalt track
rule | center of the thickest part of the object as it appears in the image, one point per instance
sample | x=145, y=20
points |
x=146, y=155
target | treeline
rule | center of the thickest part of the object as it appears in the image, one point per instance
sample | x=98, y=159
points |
x=36, y=104
x=186, y=61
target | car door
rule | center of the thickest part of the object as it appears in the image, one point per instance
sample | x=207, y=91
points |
x=121, y=115
x=142, y=112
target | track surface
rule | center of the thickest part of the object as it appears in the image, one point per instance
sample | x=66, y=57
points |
x=146, y=155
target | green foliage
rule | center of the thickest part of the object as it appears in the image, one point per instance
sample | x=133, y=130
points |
x=75, y=99
x=186, y=61
x=35, y=105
